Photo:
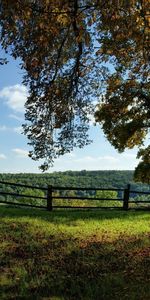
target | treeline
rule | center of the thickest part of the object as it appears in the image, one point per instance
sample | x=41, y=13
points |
x=108, y=179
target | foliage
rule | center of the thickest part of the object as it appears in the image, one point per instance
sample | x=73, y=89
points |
x=76, y=179
x=108, y=195
x=85, y=203
x=52, y=41
x=75, y=255
x=141, y=201
x=67, y=50
x=124, y=111
x=98, y=179
x=142, y=171
x=34, y=193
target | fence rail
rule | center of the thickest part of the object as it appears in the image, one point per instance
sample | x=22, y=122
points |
x=22, y=195
x=24, y=185
x=85, y=188
x=125, y=200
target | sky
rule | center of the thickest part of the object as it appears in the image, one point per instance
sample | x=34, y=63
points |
x=99, y=155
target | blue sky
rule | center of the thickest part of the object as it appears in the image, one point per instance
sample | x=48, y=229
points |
x=100, y=155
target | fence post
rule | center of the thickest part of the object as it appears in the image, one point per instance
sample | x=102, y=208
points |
x=126, y=198
x=49, y=198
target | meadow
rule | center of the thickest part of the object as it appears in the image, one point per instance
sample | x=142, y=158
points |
x=74, y=254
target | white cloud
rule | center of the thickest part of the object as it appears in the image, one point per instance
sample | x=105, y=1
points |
x=108, y=158
x=18, y=118
x=18, y=129
x=91, y=120
x=15, y=96
x=91, y=162
x=2, y=156
x=3, y=128
x=20, y=152
x=129, y=155
x=89, y=158
x=88, y=162
x=70, y=155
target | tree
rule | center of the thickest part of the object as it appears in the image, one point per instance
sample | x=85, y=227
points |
x=67, y=49
x=142, y=171
x=124, y=111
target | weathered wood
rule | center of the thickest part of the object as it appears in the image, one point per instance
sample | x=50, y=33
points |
x=139, y=192
x=140, y=201
x=85, y=198
x=126, y=197
x=24, y=185
x=64, y=188
x=88, y=207
x=21, y=195
x=22, y=204
x=49, y=198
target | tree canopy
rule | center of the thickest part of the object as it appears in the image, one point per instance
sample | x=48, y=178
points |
x=73, y=53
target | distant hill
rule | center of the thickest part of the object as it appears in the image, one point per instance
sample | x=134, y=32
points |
x=108, y=179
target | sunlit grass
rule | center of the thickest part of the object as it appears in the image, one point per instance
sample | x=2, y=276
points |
x=74, y=254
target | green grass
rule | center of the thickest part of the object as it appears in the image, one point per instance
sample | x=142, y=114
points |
x=64, y=255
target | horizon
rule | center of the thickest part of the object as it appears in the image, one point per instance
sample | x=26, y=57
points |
x=74, y=171
x=84, y=170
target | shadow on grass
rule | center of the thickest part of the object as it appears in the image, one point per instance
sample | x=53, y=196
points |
x=70, y=215
x=38, y=267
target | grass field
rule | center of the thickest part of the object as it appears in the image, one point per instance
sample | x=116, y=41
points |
x=68, y=255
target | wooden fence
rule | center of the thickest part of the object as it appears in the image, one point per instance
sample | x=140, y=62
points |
x=49, y=197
